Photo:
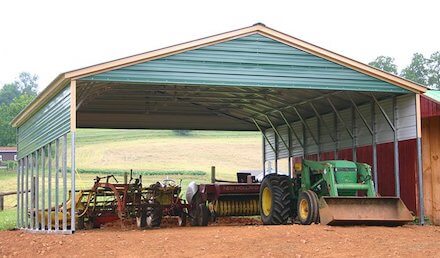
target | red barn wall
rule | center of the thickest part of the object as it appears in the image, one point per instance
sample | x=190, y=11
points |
x=429, y=108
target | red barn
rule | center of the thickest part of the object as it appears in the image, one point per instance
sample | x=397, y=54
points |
x=7, y=153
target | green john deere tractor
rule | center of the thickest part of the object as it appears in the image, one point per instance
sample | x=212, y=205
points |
x=335, y=192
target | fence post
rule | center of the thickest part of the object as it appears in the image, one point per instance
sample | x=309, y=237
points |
x=213, y=174
x=2, y=200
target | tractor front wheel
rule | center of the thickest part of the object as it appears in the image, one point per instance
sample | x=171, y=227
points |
x=308, y=208
x=275, y=199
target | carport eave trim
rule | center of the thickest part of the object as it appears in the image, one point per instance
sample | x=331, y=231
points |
x=56, y=85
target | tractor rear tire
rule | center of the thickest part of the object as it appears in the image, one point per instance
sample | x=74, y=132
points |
x=155, y=218
x=308, y=208
x=275, y=199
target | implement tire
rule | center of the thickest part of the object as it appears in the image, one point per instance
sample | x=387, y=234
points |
x=154, y=219
x=308, y=208
x=275, y=199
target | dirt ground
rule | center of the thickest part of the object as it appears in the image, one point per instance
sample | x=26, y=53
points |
x=234, y=239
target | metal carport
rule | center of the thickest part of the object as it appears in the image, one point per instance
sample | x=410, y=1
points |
x=307, y=101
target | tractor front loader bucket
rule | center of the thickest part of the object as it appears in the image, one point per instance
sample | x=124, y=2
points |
x=374, y=211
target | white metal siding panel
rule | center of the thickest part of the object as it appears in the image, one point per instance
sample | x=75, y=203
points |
x=405, y=124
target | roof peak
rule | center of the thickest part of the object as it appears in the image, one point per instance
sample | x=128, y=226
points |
x=259, y=24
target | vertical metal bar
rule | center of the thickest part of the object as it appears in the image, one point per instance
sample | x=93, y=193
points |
x=396, y=143
x=276, y=132
x=276, y=153
x=353, y=129
x=419, y=160
x=264, y=134
x=57, y=169
x=25, y=213
x=373, y=142
x=49, y=187
x=318, y=137
x=18, y=193
x=43, y=190
x=383, y=113
x=18, y=181
x=340, y=117
x=335, y=120
x=323, y=122
x=37, y=199
x=264, y=155
x=289, y=152
x=396, y=150
x=362, y=117
x=304, y=141
x=22, y=192
x=303, y=121
x=72, y=178
x=64, y=169
x=73, y=108
x=291, y=129
x=32, y=199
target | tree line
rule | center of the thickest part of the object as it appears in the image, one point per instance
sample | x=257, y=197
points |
x=423, y=70
x=14, y=97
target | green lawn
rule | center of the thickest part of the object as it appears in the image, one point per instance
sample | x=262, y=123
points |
x=8, y=182
x=8, y=219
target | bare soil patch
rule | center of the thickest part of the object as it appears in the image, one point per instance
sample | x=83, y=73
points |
x=232, y=240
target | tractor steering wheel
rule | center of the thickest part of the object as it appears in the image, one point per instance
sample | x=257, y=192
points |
x=169, y=182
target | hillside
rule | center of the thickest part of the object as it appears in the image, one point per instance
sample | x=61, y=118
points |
x=164, y=150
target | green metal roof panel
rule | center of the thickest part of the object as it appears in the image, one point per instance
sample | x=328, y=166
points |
x=433, y=94
x=49, y=123
x=253, y=60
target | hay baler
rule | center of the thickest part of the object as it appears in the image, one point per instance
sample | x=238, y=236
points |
x=223, y=199
x=334, y=192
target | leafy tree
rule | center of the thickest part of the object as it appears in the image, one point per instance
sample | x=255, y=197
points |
x=8, y=93
x=27, y=83
x=417, y=71
x=434, y=70
x=385, y=63
x=7, y=132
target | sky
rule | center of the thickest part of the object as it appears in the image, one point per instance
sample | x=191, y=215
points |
x=51, y=37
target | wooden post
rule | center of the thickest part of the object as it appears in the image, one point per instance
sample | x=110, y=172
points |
x=213, y=174
x=125, y=177
x=2, y=201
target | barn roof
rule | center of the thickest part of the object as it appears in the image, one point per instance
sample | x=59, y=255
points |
x=433, y=95
x=8, y=149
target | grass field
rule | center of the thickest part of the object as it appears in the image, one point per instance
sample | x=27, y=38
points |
x=163, y=150
x=8, y=182
x=154, y=154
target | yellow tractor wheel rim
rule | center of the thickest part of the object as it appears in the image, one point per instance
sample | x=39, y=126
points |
x=303, y=209
x=266, y=202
